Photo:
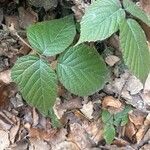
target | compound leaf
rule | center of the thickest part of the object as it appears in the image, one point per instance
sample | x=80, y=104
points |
x=109, y=133
x=135, y=49
x=37, y=82
x=81, y=70
x=101, y=20
x=52, y=37
x=136, y=11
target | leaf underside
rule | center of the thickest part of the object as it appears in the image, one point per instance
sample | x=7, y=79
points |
x=81, y=70
x=52, y=37
x=136, y=11
x=101, y=20
x=37, y=82
x=135, y=49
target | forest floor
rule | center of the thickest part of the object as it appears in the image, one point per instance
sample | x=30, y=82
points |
x=23, y=128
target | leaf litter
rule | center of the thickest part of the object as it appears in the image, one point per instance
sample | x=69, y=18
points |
x=23, y=127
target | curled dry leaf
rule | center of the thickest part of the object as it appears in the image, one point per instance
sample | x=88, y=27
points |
x=137, y=118
x=113, y=105
x=111, y=60
x=141, y=132
x=130, y=131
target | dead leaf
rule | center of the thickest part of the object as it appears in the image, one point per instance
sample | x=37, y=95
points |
x=145, y=5
x=6, y=92
x=5, y=76
x=94, y=130
x=130, y=131
x=47, y=4
x=42, y=134
x=37, y=144
x=4, y=140
x=26, y=17
x=111, y=60
x=87, y=110
x=110, y=101
x=66, y=145
x=14, y=130
x=145, y=147
x=134, y=85
x=78, y=135
x=9, y=20
x=141, y=132
x=35, y=118
x=137, y=118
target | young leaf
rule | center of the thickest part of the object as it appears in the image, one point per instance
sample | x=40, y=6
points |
x=109, y=133
x=81, y=70
x=37, y=82
x=135, y=49
x=136, y=11
x=101, y=20
x=107, y=117
x=52, y=37
x=121, y=118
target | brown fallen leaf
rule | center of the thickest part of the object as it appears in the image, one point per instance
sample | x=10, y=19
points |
x=110, y=101
x=41, y=134
x=145, y=147
x=94, y=130
x=66, y=145
x=5, y=76
x=4, y=140
x=141, y=132
x=37, y=144
x=79, y=136
x=145, y=5
x=26, y=17
x=111, y=60
x=87, y=110
x=6, y=92
x=137, y=118
x=130, y=131
x=13, y=131
x=12, y=20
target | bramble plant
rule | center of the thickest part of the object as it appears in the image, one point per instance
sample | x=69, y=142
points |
x=80, y=68
x=112, y=120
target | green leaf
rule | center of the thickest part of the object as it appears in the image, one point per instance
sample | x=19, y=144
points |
x=136, y=11
x=54, y=120
x=101, y=20
x=37, y=82
x=52, y=37
x=109, y=133
x=135, y=49
x=121, y=118
x=81, y=70
x=107, y=117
